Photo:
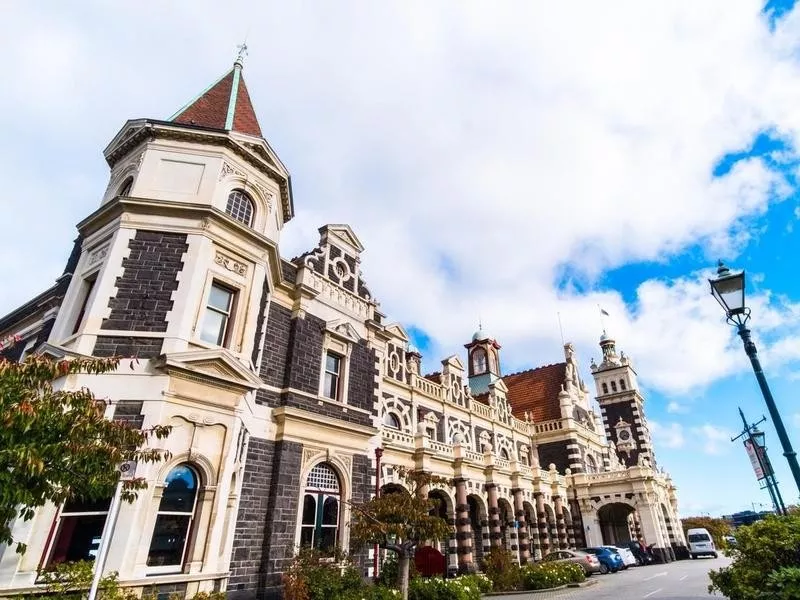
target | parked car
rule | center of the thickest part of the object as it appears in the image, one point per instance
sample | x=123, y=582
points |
x=628, y=559
x=640, y=552
x=609, y=558
x=589, y=562
x=700, y=543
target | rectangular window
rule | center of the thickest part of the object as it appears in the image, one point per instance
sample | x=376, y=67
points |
x=80, y=527
x=333, y=367
x=86, y=293
x=218, y=314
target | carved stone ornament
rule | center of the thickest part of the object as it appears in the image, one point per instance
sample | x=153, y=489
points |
x=230, y=264
x=227, y=170
x=98, y=254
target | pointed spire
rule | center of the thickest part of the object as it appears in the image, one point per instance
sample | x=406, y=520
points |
x=224, y=105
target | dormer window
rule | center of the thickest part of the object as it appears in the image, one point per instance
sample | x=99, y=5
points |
x=479, y=361
x=240, y=207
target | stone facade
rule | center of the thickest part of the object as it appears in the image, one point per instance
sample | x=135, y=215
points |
x=302, y=386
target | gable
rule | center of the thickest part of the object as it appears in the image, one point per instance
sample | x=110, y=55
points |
x=397, y=331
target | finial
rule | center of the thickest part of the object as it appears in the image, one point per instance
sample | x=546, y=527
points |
x=242, y=48
x=722, y=270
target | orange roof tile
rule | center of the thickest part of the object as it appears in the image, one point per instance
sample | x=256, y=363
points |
x=536, y=391
x=211, y=108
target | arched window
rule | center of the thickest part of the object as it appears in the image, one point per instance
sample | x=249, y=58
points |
x=504, y=454
x=125, y=188
x=319, y=527
x=479, y=361
x=175, y=517
x=390, y=420
x=622, y=385
x=605, y=388
x=613, y=386
x=240, y=207
x=591, y=465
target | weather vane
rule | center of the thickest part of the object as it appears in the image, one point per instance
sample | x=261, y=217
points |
x=242, y=48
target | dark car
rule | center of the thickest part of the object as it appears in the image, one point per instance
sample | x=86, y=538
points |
x=610, y=560
x=640, y=552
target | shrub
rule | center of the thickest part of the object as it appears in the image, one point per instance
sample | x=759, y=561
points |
x=436, y=588
x=71, y=581
x=389, y=570
x=312, y=576
x=545, y=575
x=478, y=580
x=502, y=570
x=764, y=562
x=376, y=592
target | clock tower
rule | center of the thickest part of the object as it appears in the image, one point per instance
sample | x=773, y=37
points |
x=622, y=405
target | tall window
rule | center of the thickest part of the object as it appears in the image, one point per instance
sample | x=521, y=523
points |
x=613, y=386
x=605, y=388
x=240, y=207
x=86, y=297
x=333, y=373
x=320, y=522
x=174, y=520
x=80, y=527
x=622, y=384
x=218, y=315
x=591, y=465
x=479, y=361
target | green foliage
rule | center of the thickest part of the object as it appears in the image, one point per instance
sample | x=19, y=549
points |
x=718, y=528
x=436, y=588
x=55, y=444
x=545, y=575
x=502, y=570
x=478, y=580
x=765, y=561
x=376, y=592
x=389, y=571
x=314, y=576
x=71, y=581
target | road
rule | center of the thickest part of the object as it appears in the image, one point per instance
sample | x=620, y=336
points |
x=682, y=580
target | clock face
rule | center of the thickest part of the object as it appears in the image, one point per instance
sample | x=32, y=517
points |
x=624, y=435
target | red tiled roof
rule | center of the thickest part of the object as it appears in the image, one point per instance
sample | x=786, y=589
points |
x=536, y=391
x=211, y=108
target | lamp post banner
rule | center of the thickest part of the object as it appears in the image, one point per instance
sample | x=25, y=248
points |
x=757, y=458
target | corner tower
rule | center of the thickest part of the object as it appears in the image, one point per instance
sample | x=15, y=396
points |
x=621, y=404
x=183, y=251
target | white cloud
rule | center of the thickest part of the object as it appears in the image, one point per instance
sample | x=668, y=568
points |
x=714, y=440
x=668, y=436
x=676, y=407
x=476, y=153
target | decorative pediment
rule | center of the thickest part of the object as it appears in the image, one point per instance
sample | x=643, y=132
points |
x=499, y=386
x=453, y=362
x=397, y=331
x=341, y=235
x=343, y=329
x=218, y=366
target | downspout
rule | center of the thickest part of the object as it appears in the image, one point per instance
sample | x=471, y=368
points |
x=378, y=454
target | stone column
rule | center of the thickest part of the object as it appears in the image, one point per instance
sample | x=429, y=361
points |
x=544, y=538
x=533, y=532
x=522, y=526
x=463, y=528
x=651, y=530
x=561, y=526
x=495, y=534
x=591, y=528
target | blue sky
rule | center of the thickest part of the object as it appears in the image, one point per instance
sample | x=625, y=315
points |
x=507, y=165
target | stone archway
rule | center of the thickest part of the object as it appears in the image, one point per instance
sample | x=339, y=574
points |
x=550, y=544
x=614, y=520
x=532, y=524
x=508, y=534
x=444, y=509
x=480, y=527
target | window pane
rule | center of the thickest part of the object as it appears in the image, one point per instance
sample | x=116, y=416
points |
x=307, y=536
x=330, y=511
x=180, y=491
x=332, y=363
x=327, y=541
x=78, y=538
x=220, y=298
x=78, y=505
x=213, y=330
x=309, y=510
x=331, y=387
x=169, y=539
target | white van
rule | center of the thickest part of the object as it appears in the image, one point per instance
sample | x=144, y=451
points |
x=701, y=543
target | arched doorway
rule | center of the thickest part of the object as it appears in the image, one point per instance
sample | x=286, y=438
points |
x=508, y=535
x=551, y=525
x=444, y=509
x=614, y=519
x=479, y=525
x=532, y=524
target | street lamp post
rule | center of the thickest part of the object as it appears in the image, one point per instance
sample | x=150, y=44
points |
x=728, y=289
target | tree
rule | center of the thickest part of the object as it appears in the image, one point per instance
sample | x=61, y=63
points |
x=56, y=444
x=400, y=521
x=765, y=562
x=718, y=528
